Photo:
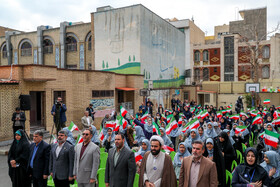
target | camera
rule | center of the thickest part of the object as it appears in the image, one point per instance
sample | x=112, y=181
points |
x=58, y=103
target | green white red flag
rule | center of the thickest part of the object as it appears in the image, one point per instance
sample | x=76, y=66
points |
x=271, y=138
x=234, y=116
x=101, y=135
x=254, y=113
x=123, y=111
x=73, y=127
x=257, y=120
x=240, y=129
x=123, y=123
x=54, y=141
x=163, y=116
x=138, y=157
x=118, y=123
x=229, y=106
x=266, y=101
x=229, y=109
x=144, y=117
x=110, y=124
x=192, y=109
x=224, y=111
x=276, y=121
x=79, y=139
x=169, y=117
x=219, y=114
x=204, y=114
x=180, y=121
x=171, y=126
x=156, y=128
x=194, y=124
x=262, y=134
x=242, y=113
x=167, y=148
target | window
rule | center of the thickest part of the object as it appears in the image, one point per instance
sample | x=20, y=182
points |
x=4, y=51
x=71, y=44
x=89, y=43
x=61, y=94
x=120, y=96
x=229, y=58
x=265, y=72
x=47, y=46
x=196, y=74
x=71, y=66
x=102, y=93
x=196, y=56
x=265, y=51
x=186, y=95
x=207, y=98
x=215, y=70
x=205, y=55
x=26, y=49
x=215, y=51
x=205, y=74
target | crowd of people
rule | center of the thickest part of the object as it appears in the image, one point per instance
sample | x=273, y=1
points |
x=189, y=145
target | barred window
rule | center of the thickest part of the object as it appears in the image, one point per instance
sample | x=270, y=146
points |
x=102, y=93
x=196, y=56
x=47, y=46
x=4, y=51
x=71, y=44
x=265, y=72
x=205, y=56
x=26, y=49
x=265, y=51
x=205, y=74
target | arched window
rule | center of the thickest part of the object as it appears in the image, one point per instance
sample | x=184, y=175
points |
x=196, y=74
x=71, y=44
x=196, y=56
x=265, y=72
x=265, y=51
x=4, y=51
x=26, y=49
x=205, y=56
x=205, y=74
x=47, y=46
x=89, y=43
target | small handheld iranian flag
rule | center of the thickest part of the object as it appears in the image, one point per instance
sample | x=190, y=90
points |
x=271, y=138
x=224, y=111
x=169, y=117
x=123, y=123
x=240, y=129
x=254, y=113
x=229, y=106
x=54, y=139
x=79, y=139
x=180, y=121
x=170, y=111
x=193, y=124
x=267, y=101
x=138, y=157
x=257, y=120
x=101, y=135
x=72, y=127
x=156, y=128
x=219, y=114
x=242, y=113
x=276, y=121
x=172, y=125
x=262, y=134
x=192, y=109
x=234, y=116
x=163, y=116
x=229, y=109
x=144, y=117
x=110, y=124
x=167, y=148
x=118, y=121
x=123, y=111
x=182, y=115
x=204, y=114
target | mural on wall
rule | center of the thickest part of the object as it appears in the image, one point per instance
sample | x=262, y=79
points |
x=133, y=40
x=103, y=106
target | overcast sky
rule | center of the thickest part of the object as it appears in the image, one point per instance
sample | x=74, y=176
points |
x=26, y=15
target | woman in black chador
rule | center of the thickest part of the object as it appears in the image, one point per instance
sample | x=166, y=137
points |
x=18, y=160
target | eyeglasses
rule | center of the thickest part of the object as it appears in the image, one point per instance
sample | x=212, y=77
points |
x=85, y=134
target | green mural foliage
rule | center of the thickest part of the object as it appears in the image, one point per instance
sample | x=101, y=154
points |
x=119, y=63
x=103, y=64
x=107, y=65
x=133, y=58
x=129, y=58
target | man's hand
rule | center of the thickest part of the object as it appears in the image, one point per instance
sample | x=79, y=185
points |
x=149, y=184
x=91, y=181
x=257, y=184
x=45, y=176
x=51, y=174
x=70, y=178
x=75, y=177
x=107, y=184
x=135, y=142
x=13, y=162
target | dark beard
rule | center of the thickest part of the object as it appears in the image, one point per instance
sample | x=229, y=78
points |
x=156, y=152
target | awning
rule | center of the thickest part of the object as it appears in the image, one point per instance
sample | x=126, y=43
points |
x=126, y=89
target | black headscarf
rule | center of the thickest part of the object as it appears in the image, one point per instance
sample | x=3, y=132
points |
x=227, y=149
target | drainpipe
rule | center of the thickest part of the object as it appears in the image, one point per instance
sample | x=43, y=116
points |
x=62, y=37
x=8, y=35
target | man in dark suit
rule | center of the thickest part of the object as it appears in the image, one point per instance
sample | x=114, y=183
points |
x=120, y=167
x=62, y=161
x=58, y=112
x=18, y=119
x=39, y=160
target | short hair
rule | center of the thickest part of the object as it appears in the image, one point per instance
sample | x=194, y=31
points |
x=90, y=131
x=199, y=142
x=39, y=132
x=17, y=109
x=63, y=132
x=120, y=134
x=90, y=104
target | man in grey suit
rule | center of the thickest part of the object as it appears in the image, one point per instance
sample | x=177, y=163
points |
x=87, y=157
x=121, y=167
x=87, y=120
x=62, y=161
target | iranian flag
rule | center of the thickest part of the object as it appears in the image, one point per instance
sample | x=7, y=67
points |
x=132, y=123
x=204, y=114
x=242, y=113
x=167, y=148
x=169, y=117
x=170, y=111
x=224, y=111
x=229, y=106
x=144, y=117
x=123, y=123
x=267, y=101
x=271, y=138
x=72, y=127
x=163, y=117
x=156, y=128
x=180, y=121
x=79, y=139
x=172, y=125
x=118, y=121
x=110, y=124
x=192, y=109
x=276, y=121
x=262, y=134
x=138, y=157
x=276, y=114
x=123, y=111
x=182, y=115
x=219, y=114
x=254, y=113
x=278, y=107
x=234, y=116
x=193, y=124
x=229, y=109
x=257, y=120
x=240, y=129
x=54, y=139
x=101, y=135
